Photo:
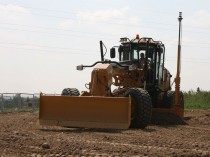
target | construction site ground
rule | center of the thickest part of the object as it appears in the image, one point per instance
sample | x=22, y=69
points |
x=21, y=135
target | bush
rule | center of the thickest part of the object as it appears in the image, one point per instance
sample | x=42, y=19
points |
x=197, y=100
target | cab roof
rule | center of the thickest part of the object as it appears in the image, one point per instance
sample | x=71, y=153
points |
x=143, y=40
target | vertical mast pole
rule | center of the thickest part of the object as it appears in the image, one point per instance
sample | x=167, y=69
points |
x=177, y=79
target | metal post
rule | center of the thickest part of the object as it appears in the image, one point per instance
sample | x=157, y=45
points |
x=33, y=102
x=19, y=101
x=2, y=102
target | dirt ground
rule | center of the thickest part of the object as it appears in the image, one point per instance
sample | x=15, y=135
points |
x=20, y=135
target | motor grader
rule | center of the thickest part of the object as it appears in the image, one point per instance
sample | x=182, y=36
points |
x=121, y=94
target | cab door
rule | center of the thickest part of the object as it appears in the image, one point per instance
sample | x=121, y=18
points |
x=160, y=65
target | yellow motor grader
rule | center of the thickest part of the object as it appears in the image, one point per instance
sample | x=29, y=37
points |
x=121, y=94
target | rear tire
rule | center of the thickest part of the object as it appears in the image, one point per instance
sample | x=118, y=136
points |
x=169, y=99
x=141, y=107
x=70, y=92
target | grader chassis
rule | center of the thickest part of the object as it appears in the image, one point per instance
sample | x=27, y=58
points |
x=142, y=87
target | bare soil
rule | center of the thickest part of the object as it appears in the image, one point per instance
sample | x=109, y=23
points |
x=21, y=135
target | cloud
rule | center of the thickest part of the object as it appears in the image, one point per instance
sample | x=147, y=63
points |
x=13, y=13
x=12, y=8
x=114, y=15
x=103, y=15
x=199, y=19
x=108, y=21
x=66, y=24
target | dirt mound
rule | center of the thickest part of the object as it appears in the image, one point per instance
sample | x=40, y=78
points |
x=167, y=119
x=20, y=135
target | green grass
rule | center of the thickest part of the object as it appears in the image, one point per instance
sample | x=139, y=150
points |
x=20, y=110
x=197, y=100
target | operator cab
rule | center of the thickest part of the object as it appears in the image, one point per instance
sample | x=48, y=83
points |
x=145, y=53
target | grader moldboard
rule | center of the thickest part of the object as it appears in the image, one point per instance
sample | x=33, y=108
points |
x=142, y=86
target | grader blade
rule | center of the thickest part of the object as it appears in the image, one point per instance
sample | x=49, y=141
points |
x=85, y=111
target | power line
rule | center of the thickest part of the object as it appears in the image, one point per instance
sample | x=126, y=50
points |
x=191, y=58
x=54, y=47
x=112, y=22
x=75, y=12
x=44, y=32
x=188, y=45
x=108, y=22
x=76, y=31
x=195, y=46
x=68, y=12
x=65, y=48
x=186, y=61
x=195, y=42
x=64, y=52
x=42, y=27
x=45, y=51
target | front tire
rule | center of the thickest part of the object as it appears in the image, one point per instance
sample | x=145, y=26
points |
x=70, y=92
x=141, y=107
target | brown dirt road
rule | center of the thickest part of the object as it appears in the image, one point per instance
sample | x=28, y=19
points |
x=20, y=135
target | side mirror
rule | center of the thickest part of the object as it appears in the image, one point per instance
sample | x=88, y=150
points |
x=112, y=52
x=80, y=67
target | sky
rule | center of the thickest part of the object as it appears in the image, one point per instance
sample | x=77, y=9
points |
x=42, y=41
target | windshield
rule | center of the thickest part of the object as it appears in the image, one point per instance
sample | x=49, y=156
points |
x=138, y=53
x=134, y=54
